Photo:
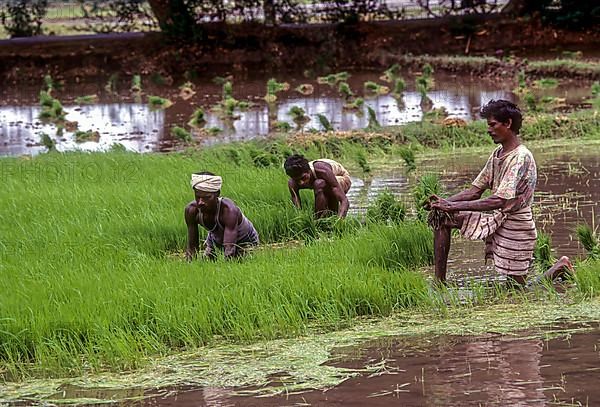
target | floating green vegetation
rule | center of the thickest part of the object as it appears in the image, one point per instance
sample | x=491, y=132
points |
x=186, y=91
x=333, y=79
x=325, y=123
x=227, y=90
x=89, y=135
x=374, y=88
x=298, y=116
x=546, y=83
x=424, y=84
x=197, y=120
x=158, y=103
x=391, y=74
x=345, y=90
x=305, y=89
x=86, y=100
x=373, y=124
x=273, y=88
x=181, y=134
x=136, y=84
x=386, y=209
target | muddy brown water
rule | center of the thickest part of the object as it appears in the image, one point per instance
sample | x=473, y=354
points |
x=492, y=370
x=120, y=118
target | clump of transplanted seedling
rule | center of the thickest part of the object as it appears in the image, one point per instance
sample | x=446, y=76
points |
x=228, y=106
x=136, y=84
x=546, y=83
x=186, y=91
x=48, y=84
x=373, y=122
x=111, y=84
x=436, y=115
x=595, y=89
x=89, y=135
x=424, y=84
x=298, y=116
x=355, y=104
x=391, y=74
x=325, y=123
x=52, y=109
x=428, y=185
x=542, y=252
x=213, y=131
x=363, y=163
x=373, y=88
x=589, y=240
x=305, y=89
x=408, y=155
x=273, y=88
x=386, y=209
x=86, y=100
x=345, y=90
x=333, y=79
x=281, y=126
x=181, y=134
x=47, y=142
x=197, y=120
x=158, y=103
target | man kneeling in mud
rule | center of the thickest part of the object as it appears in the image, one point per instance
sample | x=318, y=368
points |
x=328, y=178
x=227, y=226
x=504, y=220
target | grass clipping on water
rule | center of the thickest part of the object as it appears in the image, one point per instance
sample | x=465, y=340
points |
x=300, y=362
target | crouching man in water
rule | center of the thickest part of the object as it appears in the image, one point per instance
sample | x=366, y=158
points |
x=504, y=219
x=227, y=226
x=327, y=178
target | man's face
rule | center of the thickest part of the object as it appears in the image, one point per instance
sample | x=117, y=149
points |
x=303, y=180
x=498, y=131
x=206, y=200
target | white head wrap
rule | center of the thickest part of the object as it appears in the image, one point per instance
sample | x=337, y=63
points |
x=206, y=183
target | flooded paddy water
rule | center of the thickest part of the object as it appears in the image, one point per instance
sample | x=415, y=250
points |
x=128, y=120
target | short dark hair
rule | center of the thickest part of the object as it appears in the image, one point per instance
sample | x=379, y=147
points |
x=503, y=110
x=296, y=165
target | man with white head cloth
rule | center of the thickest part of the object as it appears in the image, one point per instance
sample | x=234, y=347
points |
x=227, y=226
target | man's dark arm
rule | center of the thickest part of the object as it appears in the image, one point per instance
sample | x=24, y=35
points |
x=486, y=204
x=192, y=227
x=295, y=193
x=470, y=194
x=230, y=216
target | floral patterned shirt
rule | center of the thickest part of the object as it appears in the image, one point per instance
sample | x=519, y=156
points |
x=512, y=177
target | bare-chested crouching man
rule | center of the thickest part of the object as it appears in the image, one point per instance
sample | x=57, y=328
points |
x=227, y=226
x=327, y=178
x=504, y=219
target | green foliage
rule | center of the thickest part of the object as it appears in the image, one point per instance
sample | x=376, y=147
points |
x=227, y=90
x=386, y=209
x=355, y=104
x=391, y=74
x=425, y=82
x=23, y=18
x=325, y=122
x=136, y=84
x=273, y=88
x=546, y=83
x=47, y=142
x=89, y=135
x=111, y=84
x=197, y=118
x=595, y=89
x=298, y=116
x=589, y=240
x=362, y=161
x=399, y=86
x=52, y=110
x=158, y=103
x=373, y=122
x=86, y=100
x=428, y=184
x=408, y=155
x=345, y=90
x=542, y=252
x=333, y=79
x=181, y=134
x=281, y=126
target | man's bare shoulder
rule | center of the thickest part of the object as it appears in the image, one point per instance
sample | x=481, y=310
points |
x=322, y=167
x=191, y=211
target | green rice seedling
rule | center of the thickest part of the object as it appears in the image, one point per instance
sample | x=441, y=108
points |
x=227, y=90
x=363, y=163
x=408, y=155
x=531, y=101
x=435, y=115
x=333, y=79
x=86, y=100
x=48, y=84
x=213, y=131
x=52, y=110
x=427, y=70
x=273, y=88
x=546, y=83
x=355, y=104
x=325, y=122
x=136, y=84
x=399, y=87
x=391, y=74
x=83, y=136
x=542, y=252
x=158, y=103
x=595, y=89
x=186, y=91
x=386, y=209
x=305, y=89
x=375, y=88
x=282, y=126
x=373, y=122
x=181, y=134
x=588, y=239
x=197, y=119
x=427, y=185
x=298, y=116
x=46, y=100
x=47, y=142
x=111, y=84
x=345, y=90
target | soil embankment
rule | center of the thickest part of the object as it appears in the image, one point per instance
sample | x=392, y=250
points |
x=250, y=47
